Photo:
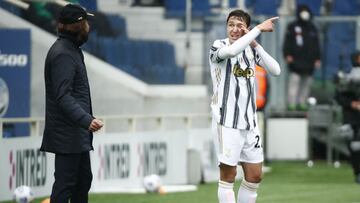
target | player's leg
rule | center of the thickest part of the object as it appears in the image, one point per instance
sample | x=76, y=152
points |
x=251, y=161
x=226, y=184
x=228, y=149
x=250, y=183
x=304, y=91
x=293, y=89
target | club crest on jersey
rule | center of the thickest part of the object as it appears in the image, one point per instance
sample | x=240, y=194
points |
x=247, y=73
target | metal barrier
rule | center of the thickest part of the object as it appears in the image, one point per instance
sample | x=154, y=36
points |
x=125, y=123
x=324, y=124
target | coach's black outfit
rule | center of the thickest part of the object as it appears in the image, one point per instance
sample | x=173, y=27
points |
x=352, y=117
x=68, y=117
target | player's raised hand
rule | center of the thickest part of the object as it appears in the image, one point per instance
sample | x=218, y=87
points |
x=244, y=27
x=267, y=25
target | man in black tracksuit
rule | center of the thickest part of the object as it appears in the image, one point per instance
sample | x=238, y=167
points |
x=348, y=96
x=69, y=124
x=301, y=50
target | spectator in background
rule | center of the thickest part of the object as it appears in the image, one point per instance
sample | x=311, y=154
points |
x=69, y=123
x=302, y=54
x=263, y=7
x=348, y=96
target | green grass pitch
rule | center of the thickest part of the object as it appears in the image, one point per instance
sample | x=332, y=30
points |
x=288, y=182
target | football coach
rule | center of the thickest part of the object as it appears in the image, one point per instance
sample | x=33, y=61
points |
x=69, y=123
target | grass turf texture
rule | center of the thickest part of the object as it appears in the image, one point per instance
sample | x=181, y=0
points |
x=288, y=182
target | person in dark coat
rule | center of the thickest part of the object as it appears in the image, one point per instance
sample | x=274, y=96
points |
x=301, y=50
x=348, y=96
x=69, y=123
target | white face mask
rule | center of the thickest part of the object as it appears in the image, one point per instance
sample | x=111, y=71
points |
x=305, y=15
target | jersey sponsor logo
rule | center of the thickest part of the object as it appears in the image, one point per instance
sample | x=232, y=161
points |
x=247, y=73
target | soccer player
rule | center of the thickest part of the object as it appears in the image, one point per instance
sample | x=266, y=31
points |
x=232, y=62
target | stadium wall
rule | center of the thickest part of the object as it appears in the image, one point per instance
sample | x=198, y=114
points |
x=119, y=161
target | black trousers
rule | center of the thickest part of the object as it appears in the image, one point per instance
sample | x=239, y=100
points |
x=355, y=153
x=72, y=178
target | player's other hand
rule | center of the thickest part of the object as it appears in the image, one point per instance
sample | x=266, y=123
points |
x=95, y=125
x=267, y=25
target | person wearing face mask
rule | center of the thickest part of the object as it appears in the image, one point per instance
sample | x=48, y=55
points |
x=301, y=51
x=69, y=122
x=234, y=125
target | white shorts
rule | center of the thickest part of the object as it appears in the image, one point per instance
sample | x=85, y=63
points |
x=235, y=145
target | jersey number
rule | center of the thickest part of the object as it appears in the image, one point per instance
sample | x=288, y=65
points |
x=257, y=145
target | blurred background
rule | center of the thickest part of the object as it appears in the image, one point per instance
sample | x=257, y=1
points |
x=150, y=82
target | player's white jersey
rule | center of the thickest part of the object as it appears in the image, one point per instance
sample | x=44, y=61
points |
x=234, y=99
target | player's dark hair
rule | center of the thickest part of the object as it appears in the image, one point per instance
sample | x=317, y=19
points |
x=240, y=14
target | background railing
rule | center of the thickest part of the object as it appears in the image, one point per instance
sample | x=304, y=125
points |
x=126, y=123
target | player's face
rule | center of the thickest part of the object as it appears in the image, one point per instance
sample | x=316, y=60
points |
x=234, y=28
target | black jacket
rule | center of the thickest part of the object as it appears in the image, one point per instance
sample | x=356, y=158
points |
x=344, y=97
x=68, y=102
x=305, y=55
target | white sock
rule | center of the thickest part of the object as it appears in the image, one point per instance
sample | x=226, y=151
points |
x=247, y=192
x=225, y=192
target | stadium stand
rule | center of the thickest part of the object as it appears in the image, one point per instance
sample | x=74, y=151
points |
x=109, y=42
x=314, y=5
x=176, y=8
x=340, y=38
x=11, y=8
x=263, y=7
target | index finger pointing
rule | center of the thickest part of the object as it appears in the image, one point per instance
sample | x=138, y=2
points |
x=274, y=18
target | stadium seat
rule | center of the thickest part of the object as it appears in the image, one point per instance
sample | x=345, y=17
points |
x=90, y=5
x=233, y=4
x=118, y=24
x=11, y=8
x=314, y=5
x=263, y=7
x=176, y=8
x=340, y=38
x=345, y=7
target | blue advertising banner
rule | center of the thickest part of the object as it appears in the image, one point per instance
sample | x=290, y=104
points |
x=15, y=67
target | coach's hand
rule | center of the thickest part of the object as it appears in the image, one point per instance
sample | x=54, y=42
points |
x=95, y=125
x=267, y=25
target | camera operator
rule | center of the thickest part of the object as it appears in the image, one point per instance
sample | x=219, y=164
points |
x=348, y=96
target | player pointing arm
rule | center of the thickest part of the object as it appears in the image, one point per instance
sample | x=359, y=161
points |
x=237, y=137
